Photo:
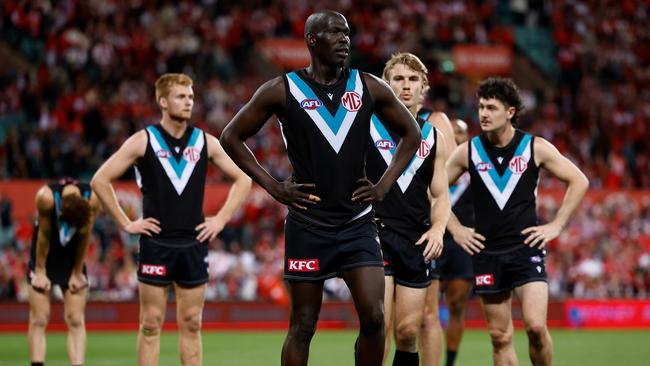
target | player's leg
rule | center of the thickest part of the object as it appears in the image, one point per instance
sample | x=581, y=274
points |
x=39, y=315
x=153, y=303
x=189, y=310
x=430, y=337
x=75, y=306
x=366, y=285
x=409, y=303
x=306, y=299
x=456, y=293
x=389, y=300
x=534, y=303
x=498, y=313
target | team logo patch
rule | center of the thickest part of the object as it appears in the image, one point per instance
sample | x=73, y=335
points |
x=518, y=165
x=351, y=101
x=153, y=270
x=191, y=154
x=163, y=154
x=424, y=150
x=303, y=265
x=484, y=167
x=484, y=280
x=310, y=104
x=536, y=259
x=384, y=144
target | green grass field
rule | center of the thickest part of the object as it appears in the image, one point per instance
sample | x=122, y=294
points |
x=592, y=348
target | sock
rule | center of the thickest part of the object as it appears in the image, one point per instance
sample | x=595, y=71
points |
x=451, y=358
x=403, y=358
x=38, y=363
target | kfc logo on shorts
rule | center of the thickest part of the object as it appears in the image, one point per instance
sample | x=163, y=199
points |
x=424, y=150
x=351, y=101
x=153, y=270
x=191, y=154
x=163, y=154
x=484, y=280
x=310, y=104
x=303, y=265
x=518, y=165
x=384, y=144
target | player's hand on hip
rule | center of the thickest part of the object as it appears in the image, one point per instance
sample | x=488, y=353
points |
x=433, y=240
x=469, y=240
x=539, y=236
x=148, y=226
x=77, y=282
x=295, y=194
x=210, y=228
x=40, y=282
x=367, y=192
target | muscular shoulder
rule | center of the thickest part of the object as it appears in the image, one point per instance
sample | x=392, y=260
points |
x=44, y=200
x=271, y=93
x=377, y=87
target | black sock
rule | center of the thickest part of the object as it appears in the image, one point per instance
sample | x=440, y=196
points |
x=403, y=358
x=38, y=363
x=451, y=358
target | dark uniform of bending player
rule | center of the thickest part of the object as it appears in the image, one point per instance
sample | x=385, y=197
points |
x=324, y=112
x=66, y=213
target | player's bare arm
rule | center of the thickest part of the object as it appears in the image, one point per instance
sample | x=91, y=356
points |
x=132, y=149
x=241, y=185
x=77, y=279
x=44, y=206
x=466, y=237
x=441, y=122
x=549, y=158
x=267, y=100
x=440, y=204
x=399, y=119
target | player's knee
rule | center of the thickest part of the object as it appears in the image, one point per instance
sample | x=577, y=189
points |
x=430, y=316
x=303, y=325
x=406, y=334
x=372, y=322
x=500, y=338
x=74, y=320
x=456, y=307
x=150, y=325
x=39, y=320
x=536, y=332
x=191, y=323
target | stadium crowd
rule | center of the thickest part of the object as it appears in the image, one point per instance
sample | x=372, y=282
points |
x=94, y=64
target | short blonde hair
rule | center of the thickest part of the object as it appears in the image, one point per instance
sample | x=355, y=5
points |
x=166, y=81
x=410, y=60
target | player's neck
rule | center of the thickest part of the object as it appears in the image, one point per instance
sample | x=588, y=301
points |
x=323, y=74
x=173, y=127
x=501, y=137
x=414, y=110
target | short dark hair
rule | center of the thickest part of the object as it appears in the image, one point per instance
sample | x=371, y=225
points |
x=504, y=90
x=75, y=210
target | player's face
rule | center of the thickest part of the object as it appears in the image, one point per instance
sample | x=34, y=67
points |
x=332, y=43
x=407, y=84
x=493, y=114
x=179, y=102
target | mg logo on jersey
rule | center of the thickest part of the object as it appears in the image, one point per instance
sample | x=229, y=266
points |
x=484, y=280
x=518, y=165
x=424, y=150
x=351, y=101
x=150, y=269
x=483, y=167
x=163, y=154
x=191, y=154
x=384, y=144
x=310, y=104
x=303, y=265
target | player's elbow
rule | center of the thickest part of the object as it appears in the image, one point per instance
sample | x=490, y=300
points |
x=228, y=139
x=581, y=183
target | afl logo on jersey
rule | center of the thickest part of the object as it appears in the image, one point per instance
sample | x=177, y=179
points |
x=351, y=101
x=518, y=165
x=191, y=154
x=483, y=167
x=384, y=144
x=163, y=154
x=310, y=104
x=424, y=150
